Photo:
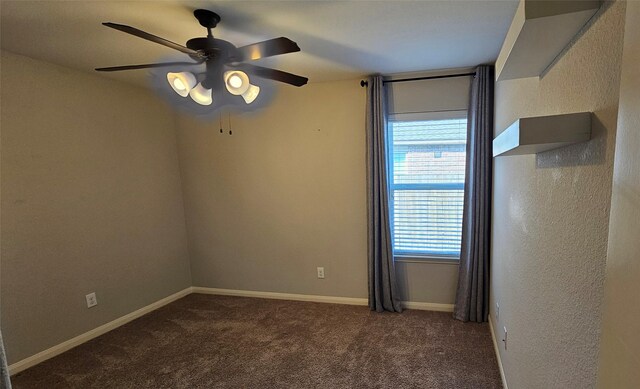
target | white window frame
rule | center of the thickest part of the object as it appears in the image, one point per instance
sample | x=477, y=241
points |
x=416, y=116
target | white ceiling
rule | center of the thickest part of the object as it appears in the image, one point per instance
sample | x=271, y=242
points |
x=339, y=39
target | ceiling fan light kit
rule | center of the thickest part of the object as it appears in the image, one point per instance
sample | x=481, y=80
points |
x=225, y=64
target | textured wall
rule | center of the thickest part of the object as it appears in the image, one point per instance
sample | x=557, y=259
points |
x=91, y=202
x=285, y=194
x=550, y=217
x=620, y=347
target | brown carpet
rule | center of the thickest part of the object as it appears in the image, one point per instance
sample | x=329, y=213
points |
x=204, y=341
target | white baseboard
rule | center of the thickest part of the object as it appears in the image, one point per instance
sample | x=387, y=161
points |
x=427, y=306
x=318, y=299
x=82, y=338
x=495, y=347
x=282, y=296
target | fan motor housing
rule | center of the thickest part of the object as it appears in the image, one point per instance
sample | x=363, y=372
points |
x=213, y=48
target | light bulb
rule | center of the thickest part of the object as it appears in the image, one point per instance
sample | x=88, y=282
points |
x=201, y=95
x=250, y=95
x=237, y=82
x=179, y=85
x=181, y=82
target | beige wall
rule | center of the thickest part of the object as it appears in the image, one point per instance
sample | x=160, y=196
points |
x=286, y=193
x=620, y=349
x=91, y=202
x=425, y=281
x=440, y=94
x=551, y=214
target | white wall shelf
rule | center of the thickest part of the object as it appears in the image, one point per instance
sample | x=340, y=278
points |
x=537, y=134
x=539, y=32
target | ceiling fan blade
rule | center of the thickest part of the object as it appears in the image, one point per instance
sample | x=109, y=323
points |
x=145, y=66
x=273, y=74
x=268, y=48
x=150, y=37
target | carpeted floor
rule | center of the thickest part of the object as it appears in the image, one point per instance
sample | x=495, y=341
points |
x=205, y=341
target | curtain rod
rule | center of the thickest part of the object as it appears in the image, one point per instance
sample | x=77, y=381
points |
x=364, y=83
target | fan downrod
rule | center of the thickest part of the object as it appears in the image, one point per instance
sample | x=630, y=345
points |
x=206, y=18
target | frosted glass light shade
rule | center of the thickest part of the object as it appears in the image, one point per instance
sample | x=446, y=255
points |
x=201, y=95
x=181, y=82
x=250, y=95
x=237, y=82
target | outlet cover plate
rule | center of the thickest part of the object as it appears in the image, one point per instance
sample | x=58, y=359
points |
x=92, y=300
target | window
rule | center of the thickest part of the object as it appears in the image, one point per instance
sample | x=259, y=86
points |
x=426, y=182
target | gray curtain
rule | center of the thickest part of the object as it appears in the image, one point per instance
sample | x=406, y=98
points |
x=383, y=295
x=472, y=296
x=5, y=383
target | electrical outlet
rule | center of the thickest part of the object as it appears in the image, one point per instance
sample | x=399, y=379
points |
x=497, y=311
x=321, y=272
x=92, y=300
x=505, y=338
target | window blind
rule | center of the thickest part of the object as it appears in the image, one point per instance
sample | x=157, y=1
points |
x=426, y=173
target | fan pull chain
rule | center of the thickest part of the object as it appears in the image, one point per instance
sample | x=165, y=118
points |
x=220, y=120
x=229, y=120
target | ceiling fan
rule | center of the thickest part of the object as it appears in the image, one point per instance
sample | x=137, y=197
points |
x=226, y=65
